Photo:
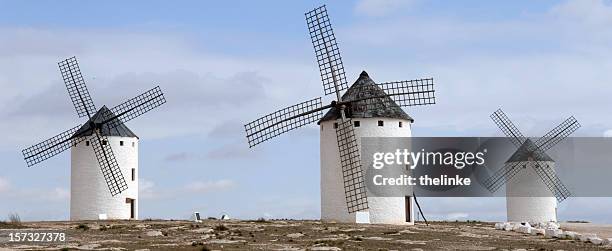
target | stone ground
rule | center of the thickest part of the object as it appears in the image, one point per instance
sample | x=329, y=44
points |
x=603, y=231
x=282, y=235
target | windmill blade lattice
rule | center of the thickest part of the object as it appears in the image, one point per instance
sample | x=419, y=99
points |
x=502, y=175
x=352, y=172
x=108, y=164
x=77, y=90
x=284, y=120
x=508, y=128
x=50, y=147
x=411, y=92
x=135, y=107
x=557, y=134
x=326, y=51
x=551, y=180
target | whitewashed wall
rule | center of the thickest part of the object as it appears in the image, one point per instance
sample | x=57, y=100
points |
x=89, y=193
x=389, y=210
x=525, y=208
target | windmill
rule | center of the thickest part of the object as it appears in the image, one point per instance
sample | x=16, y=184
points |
x=109, y=147
x=366, y=105
x=524, y=199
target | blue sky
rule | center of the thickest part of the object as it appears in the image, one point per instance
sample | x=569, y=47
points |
x=224, y=63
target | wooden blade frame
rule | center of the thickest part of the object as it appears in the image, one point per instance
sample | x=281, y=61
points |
x=411, y=92
x=135, y=107
x=108, y=164
x=50, y=147
x=508, y=128
x=284, y=120
x=326, y=51
x=352, y=172
x=77, y=90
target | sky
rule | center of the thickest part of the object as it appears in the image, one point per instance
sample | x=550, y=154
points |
x=222, y=64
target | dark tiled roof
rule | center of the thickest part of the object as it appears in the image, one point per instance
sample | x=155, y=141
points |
x=120, y=130
x=523, y=153
x=376, y=108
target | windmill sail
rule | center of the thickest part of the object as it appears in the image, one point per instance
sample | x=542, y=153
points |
x=410, y=92
x=326, y=51
x=508, y=128
x=352, y=172
x=50, y=147
x=108, y=164
x=77, y=90
x=135, y=107
x=284, y=120
x=557, y=134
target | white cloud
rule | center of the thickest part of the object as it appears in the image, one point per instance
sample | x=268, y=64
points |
x=60, y=194
x=146, y=188
x=381, y=7
x=4, y=185
x=209, y=186
x=198, y=85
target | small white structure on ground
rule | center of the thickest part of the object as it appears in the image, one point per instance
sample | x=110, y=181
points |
x=390, y=121
x=89, y=196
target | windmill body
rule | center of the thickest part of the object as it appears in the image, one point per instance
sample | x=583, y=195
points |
x=89, y=196
x=104, y=152
x=533, y=188
x=528, y=199
x=381, y=121
x=365, y=109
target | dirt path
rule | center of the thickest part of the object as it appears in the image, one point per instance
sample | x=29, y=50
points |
x=283, y=235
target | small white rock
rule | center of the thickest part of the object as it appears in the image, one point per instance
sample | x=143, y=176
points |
x=525, y=229
x=552, y=225
x=570, y=234
x=154, y=233
x=295, y=235
x=539, y=231
x=596, y=241
x=553, y=233
x=607, y=241
x=587, y=237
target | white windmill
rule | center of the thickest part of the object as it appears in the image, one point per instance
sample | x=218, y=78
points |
x=103, y=151
x=366, y=109
x=531, y=195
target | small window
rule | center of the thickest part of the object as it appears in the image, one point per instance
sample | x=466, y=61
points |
x=104, y=142
x=400, y=124
x=357, y=123
x=335, y=125
x=381, y=123
x=133, y=144
x=121, y=142
x=87, y=142
x=133, y=174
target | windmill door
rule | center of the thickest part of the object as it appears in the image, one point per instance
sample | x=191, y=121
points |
x=132, y=203
x=408, y=209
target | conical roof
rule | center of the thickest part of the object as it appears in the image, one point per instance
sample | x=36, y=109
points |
x=364, y=87
x=523, y=153
x=121, y=130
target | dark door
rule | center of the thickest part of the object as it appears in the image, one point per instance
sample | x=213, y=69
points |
x=408, y=209
x=132, y=209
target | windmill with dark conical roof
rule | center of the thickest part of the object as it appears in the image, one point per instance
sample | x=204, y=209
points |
x=533, y=188
x=103, y=151
x=366, y=109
